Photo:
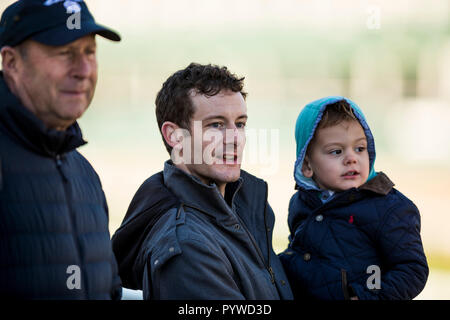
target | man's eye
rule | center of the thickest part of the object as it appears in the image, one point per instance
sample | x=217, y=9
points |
x=217, y=125
x=241, y=125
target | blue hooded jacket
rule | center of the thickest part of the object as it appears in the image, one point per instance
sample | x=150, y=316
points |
x=306, y=125
x=362, y=242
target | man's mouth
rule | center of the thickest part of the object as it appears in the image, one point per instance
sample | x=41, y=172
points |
x=73, y=92
x=229, y=158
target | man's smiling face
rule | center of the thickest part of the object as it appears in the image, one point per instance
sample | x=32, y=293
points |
x=222, y=119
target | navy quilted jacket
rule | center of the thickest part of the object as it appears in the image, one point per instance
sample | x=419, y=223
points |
x=54, y=238
x=363, y=241
x=333, y=245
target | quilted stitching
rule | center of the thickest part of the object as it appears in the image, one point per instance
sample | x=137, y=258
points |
x=385, y=232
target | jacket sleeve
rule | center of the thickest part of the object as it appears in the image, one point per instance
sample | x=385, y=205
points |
x=116, y=284
x=198, y=272
x=116, y=289
x=405, y=266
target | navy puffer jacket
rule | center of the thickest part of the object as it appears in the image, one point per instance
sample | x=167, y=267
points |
x=54, y=238
x=335, y=247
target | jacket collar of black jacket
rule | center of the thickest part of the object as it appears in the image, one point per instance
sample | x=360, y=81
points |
x=153, y=199
x=22, y=125
x=194, y=193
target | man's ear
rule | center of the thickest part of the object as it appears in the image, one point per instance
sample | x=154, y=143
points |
x=170, y=133
x=10, y=59
x=306, y=168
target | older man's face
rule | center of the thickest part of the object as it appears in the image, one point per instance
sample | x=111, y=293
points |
x=57, y=83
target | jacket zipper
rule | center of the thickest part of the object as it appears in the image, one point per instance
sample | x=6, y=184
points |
x=344, y=284
x=258, y=250
x=318, y=210
x=272, y=274
x=72, y=217
x=252, y=239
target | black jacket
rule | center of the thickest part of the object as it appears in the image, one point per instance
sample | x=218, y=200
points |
x=53, y=213
x=181, y=239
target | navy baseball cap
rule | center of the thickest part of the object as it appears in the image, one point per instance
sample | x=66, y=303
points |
x=51, y=22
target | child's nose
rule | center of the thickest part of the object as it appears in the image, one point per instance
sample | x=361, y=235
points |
x=350, y=158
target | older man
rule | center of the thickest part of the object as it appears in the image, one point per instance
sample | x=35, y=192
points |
x=54, y=238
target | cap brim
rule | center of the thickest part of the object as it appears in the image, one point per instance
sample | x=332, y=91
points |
x=62, y=35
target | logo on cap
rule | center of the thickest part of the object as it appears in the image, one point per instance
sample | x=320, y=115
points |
x=71, y=6
x=52, y=2
x=73, y=22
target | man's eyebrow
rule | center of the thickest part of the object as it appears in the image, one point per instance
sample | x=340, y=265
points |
x=244, y=116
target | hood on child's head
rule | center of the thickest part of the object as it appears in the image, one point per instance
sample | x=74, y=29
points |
x=306, y=125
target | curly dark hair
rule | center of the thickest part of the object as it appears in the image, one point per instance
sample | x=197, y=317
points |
x=173, y=102
x=336, y=113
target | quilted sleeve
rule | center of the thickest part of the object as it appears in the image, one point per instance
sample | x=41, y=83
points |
x=404, y=269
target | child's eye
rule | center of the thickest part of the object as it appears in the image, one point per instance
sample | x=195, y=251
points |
x=360, y=149
x=335, y=152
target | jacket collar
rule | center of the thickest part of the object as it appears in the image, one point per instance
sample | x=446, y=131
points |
x=380, y=184
x=192, y=192
x=22, y=125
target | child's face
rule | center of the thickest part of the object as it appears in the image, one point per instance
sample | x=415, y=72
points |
x=338, y=159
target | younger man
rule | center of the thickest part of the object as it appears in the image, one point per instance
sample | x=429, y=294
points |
x=201, y=228
x=353, y=236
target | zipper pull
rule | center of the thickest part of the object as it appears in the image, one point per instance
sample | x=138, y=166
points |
x=58, y=160
x=59, y=166
x=272, y=275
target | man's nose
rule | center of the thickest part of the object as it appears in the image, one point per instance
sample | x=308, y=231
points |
x=83, y=66
x=231, y=135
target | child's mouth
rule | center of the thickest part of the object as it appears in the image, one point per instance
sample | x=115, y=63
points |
x=352, y=174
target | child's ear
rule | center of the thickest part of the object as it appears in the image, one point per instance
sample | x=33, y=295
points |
x=306, y=168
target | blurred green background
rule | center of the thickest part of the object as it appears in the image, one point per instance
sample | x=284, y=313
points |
x=390, y=57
